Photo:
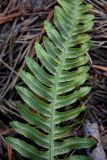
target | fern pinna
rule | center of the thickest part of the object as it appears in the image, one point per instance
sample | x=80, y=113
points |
x=52, y=90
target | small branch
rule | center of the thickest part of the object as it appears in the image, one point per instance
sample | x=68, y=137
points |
x=100, y=67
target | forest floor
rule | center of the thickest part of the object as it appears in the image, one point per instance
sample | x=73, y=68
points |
x=21, y=24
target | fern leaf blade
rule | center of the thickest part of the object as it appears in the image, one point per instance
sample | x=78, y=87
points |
x=45, y=58
x=66, y=87
x=68, y=115
x=73, y=143
x=54, y=36
x=31, y=133
x=77, y=157
x=36, y=86
x=38, y=72
x=72, y=98
x=26, y=149
x=74, y=63
x=66, y=76
x=34, y=118
x=61, y=27
x=33, y=101
x=51, y=49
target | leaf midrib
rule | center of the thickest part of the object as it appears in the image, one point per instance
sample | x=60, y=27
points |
x=56, y=82
x=54, y=102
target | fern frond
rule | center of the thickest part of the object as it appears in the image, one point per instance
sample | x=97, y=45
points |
x=51, y=91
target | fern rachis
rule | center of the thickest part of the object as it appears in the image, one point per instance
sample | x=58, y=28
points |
x=53, y=89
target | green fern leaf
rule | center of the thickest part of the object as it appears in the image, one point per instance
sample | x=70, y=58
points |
x=52, y=90
x=78, y=158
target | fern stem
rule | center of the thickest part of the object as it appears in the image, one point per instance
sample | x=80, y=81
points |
x=53, y=115
x=56, y=83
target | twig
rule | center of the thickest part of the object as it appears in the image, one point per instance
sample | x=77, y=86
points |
x=100, y=67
